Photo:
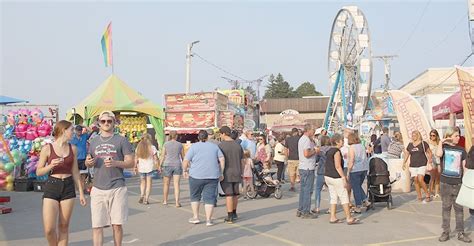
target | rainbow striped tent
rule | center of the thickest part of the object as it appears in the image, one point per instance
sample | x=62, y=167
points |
x=115, y=95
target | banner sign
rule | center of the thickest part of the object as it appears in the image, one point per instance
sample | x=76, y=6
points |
x=410, y=116
x=190, y=119
x=204, y=101
x=466, y=80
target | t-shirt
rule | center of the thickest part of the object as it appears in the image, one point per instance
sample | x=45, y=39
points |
x=81, y=145
x=330, y=165
x=306, y=163
x=279, y=153
x=377, y=146
x=322, y=159
x=173, y=151
x=470, y=159
x=417, y=154
x=233, y=155
x=360, y=159
x=204, y=158
x=395, y=150
x=292, y=144
x=248, y=168
x=384, y=142
x=100, y=148
x=451, y=164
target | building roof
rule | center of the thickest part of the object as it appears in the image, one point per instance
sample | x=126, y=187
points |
x=302, y=105
x=434, y=81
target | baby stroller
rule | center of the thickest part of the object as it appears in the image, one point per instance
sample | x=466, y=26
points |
x=378, y=183
x=264, y=184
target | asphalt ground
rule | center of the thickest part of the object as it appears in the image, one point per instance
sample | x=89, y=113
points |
x=263, y=221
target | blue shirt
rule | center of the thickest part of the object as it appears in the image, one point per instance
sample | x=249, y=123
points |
x=81, y=144
x=204, y=158
x=249, y=145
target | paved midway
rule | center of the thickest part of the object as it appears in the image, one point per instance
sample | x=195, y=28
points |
x=264, y=221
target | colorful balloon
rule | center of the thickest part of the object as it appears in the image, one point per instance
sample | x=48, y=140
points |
x=9, y=187
x=11, y=117
x=9, y=179
x=31, y=133
x=3, y=183
x=9, y=167
x=37, y=116
x=3, y=174
x=23, y=116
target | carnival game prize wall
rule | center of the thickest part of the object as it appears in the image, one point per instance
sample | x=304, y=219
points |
x=132, y=127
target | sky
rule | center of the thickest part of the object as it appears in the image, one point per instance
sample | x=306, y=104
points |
x=51, y=53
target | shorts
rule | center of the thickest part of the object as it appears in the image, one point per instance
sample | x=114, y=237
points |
x=293, y=168
x=230, y=188
x=203, y=188
x=144, y=175
x=415, y=171
x=81, y=164
x=59, y=189
x=169, y=171
x=109, y=207
x=336, y=190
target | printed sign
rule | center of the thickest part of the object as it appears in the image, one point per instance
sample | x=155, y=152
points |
x=205, y=101
x=190, y=119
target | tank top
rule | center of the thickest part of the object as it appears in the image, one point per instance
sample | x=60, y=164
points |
x=64, y=168
x=360, y=159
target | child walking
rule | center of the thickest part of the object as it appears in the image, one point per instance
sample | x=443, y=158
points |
x=145, y=160
x=247, y=174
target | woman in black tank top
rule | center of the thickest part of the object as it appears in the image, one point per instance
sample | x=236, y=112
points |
x=59, y=160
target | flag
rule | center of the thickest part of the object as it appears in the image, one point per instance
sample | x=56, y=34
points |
x=106, y=42
x=410, y=115
x=466, y=80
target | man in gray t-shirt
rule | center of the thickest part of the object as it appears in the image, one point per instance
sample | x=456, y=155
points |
x=307, y=157
x=109, y=154
x=385, y=140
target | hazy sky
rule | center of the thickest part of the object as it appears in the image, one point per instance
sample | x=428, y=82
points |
x=51, y=53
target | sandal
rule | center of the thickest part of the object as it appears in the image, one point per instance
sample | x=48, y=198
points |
x=354, y=221
x=145, y=202
x=337, y=221
x=178, y=205
x=428, y=199
x=356, y=210
x=165, y=203
x=140, y=200
x=315, y=211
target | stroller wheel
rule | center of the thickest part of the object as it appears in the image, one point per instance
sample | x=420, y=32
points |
x=251, y=194
x=278, y=193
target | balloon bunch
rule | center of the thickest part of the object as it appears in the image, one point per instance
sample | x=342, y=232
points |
x=132, y=127
x=25, y=134
x=7, y=164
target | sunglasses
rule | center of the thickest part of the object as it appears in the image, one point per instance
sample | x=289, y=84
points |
x=432, y=135
x=106, y=121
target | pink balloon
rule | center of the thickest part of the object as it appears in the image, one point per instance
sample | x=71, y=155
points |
x=23, y=115
x=2, y=183
x=3, y=174
x=20, y=130
x=31, y=133
x=11, y=117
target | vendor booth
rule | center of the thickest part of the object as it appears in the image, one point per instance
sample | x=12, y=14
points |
x=132, y=108
x=451, y=109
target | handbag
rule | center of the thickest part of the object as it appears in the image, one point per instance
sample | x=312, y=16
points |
x=466, y=193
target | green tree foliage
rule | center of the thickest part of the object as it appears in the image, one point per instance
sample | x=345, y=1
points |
x=307, y=89
x=278, y=88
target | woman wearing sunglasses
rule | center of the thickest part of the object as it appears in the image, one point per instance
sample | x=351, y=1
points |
x=435, y=172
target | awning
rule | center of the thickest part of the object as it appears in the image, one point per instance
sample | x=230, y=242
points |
x=452, y=105
x=7, y=100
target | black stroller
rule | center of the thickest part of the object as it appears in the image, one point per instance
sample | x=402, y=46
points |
x=379, y=186
x=264, y=184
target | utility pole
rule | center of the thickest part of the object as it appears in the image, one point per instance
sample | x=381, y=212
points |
x=387, y=68
x=234, y=83
x=189, y=54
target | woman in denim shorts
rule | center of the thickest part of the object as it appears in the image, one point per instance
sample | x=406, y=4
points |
x=59, y=160
x=170, y=166
x=145, y=160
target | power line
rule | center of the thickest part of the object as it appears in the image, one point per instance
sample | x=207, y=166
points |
x=441, y=41
x=218, y=67
x=415, y=28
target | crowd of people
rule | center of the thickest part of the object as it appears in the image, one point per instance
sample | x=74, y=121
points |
x=224, y=163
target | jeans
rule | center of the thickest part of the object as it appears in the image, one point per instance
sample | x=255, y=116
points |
x=319, y=188
x=449, y=194
x=280, y=165
x=471, y=211
x=307, y=182
x=357, y=179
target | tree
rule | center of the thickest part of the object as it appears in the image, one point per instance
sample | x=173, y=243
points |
x=249, y=89
x=278, y=88
x=307, y=89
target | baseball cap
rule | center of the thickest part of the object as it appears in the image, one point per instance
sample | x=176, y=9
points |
x=108, y=113
x=78, y=128
x=318, y=131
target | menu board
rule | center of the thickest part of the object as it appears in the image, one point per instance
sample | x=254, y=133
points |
x=236, y=97
x=190, y=119
x=203, y=101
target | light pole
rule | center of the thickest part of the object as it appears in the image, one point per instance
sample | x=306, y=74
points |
x=73, y=116
x=188, y=65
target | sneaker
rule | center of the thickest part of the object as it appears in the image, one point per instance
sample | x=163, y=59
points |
x=209, y=223
x=463, y=237
x=298, y=213
x=229, y=220
x=194, y=221
x=309, y=216
x=234, y=216
x=444, y=237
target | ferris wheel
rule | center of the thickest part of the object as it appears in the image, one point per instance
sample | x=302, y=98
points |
x=350, y=69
